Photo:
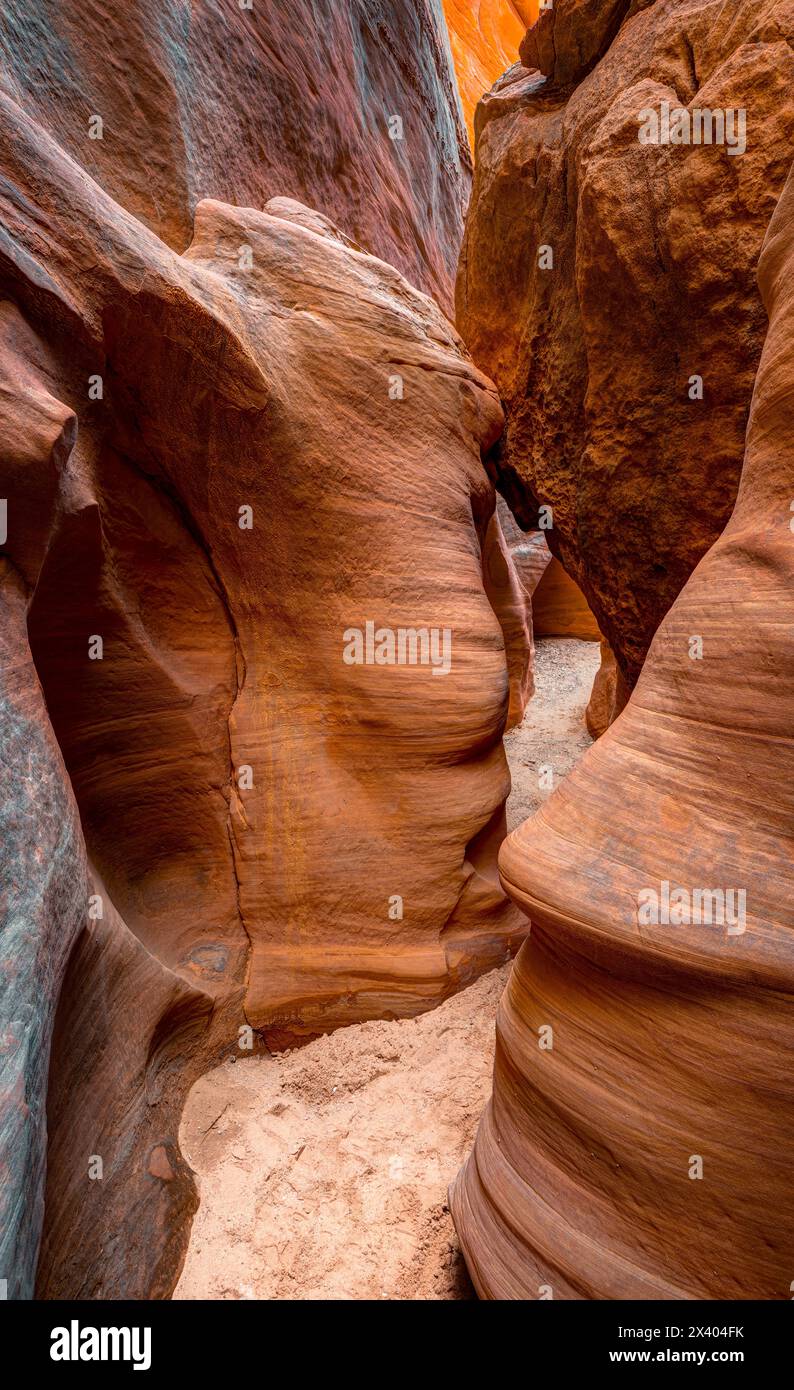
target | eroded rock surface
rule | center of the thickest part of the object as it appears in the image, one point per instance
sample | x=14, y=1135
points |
x=556, y=606
x=645, y=1154
x=44, y=893
x=348, y=105
x=652, y=284
x=224, y=465
x=608, y=696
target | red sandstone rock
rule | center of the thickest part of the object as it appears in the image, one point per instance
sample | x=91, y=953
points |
x=528, y=549
x=653, y=283
x=283, y=99
x=559, y=608
x=253, y=804
x=572, y=35
x=670, y=1042
x=608, y=696
x=556, y=604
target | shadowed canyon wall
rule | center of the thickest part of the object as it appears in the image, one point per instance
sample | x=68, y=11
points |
x=250, y=554
x=608, y=286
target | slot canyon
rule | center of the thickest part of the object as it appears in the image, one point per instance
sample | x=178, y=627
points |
x=397, y=574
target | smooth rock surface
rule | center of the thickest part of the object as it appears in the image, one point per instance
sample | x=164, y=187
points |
x=556, y=606
x=289, y=98
x=485, y=36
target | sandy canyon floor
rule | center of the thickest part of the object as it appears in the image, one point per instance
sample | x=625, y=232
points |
x=323, y=1172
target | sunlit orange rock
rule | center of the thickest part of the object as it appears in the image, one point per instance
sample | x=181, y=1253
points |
x=637, y=1144
x=485, y=37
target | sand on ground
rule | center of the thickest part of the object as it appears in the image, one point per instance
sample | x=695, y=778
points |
x=323, y=1171
x=553, y=735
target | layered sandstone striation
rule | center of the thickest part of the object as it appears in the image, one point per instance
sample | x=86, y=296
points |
x=221, y=468
x=608, y=696
x=644, y=1154
x=608, y=286
x=348, y=105
x=485, y=36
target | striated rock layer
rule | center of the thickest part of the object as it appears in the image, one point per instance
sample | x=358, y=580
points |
x=44, y=883
x=646, y=283
x=646, y=1153
x=221, y=469
x=348, y=105
x=485, y=37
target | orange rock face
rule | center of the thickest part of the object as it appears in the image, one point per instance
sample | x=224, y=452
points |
x=608, y=285
x=637, y=1142
x=556, y=606
x=348, y=105
x=485, y=37
x=278, y=634
x=559, y=608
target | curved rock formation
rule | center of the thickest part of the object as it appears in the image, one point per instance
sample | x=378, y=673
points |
x=559, y=608
x=556, y=606
x=608, y=285
x=45, y=886
x=609, y=694
x=250, y=533
x=641, y=1148
x=348, y=105
x=485, y=37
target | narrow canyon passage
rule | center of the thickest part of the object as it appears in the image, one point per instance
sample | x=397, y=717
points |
x=323, y=1172
x=396, y=665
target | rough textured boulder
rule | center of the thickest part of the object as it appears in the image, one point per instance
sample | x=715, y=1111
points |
x=485, y=38
x=221, y=467
x=666, y=1103
x=294, y=98
x=653, y=284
